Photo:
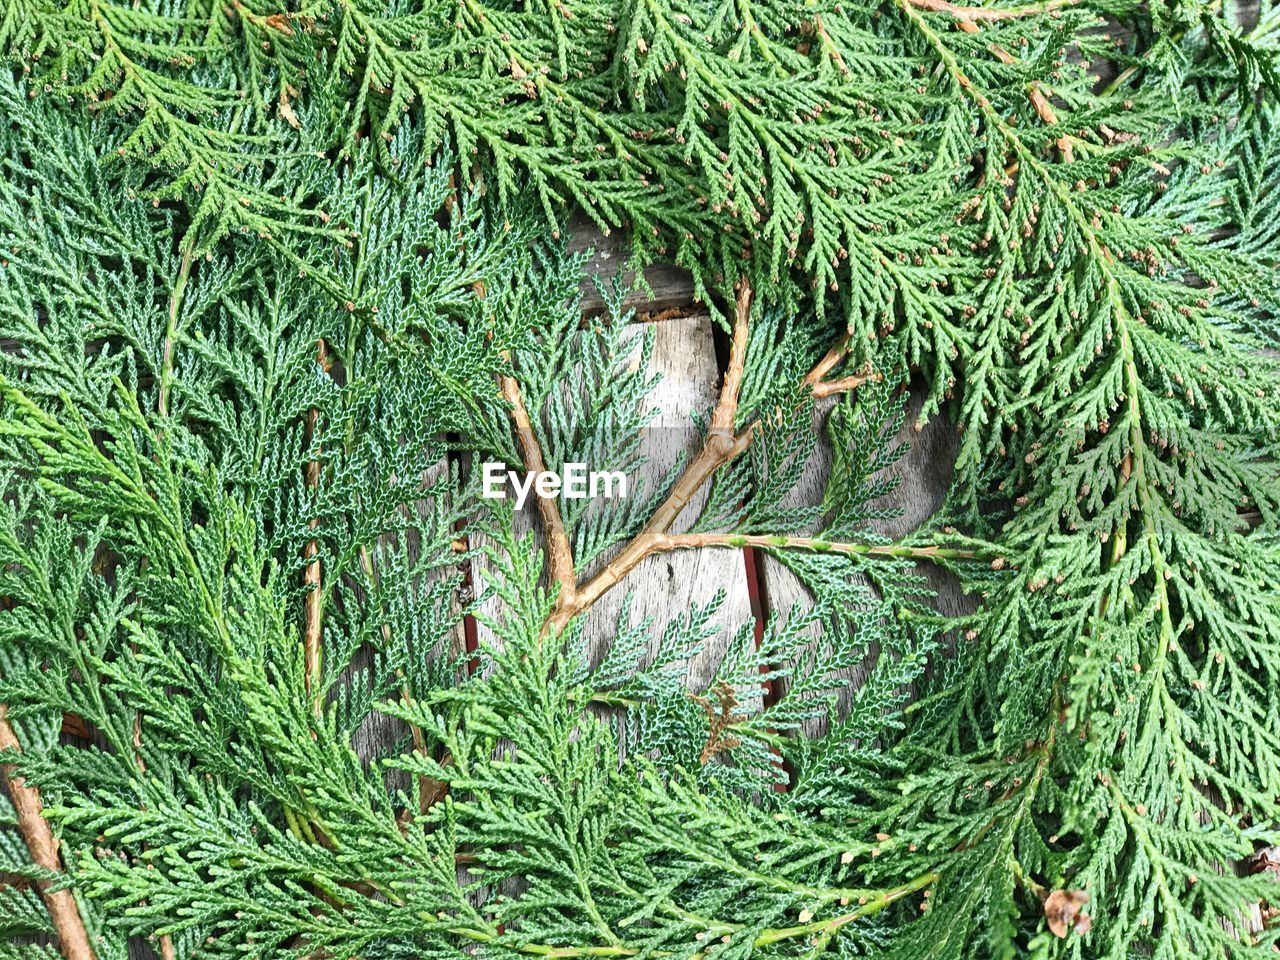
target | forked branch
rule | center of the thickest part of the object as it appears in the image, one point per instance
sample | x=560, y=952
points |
x=829, y=388
x=723, y=443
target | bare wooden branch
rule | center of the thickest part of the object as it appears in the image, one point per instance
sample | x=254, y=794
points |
x=721, y=446
x=313, y=613
x=559, y=553
x=828, y=362
x=990, y=14
x=829, y=388
x=722, y=419
x=695, y=541
x=73, y=938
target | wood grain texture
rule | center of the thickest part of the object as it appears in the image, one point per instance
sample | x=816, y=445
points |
x=669, y=586
x=670, y=287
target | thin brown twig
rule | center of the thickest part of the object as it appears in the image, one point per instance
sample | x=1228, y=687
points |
x=1035, y=92
x=828, y=361
x=722, y=418
x=697, y=541
x=829, y=388
x=721, y=446
x=313, y=612
x=821, y=387
x=559, y=553
x=971, y=14
x=73, y=938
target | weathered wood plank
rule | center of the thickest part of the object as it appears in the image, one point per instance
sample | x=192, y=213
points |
x=670, y=287
x=668, y=587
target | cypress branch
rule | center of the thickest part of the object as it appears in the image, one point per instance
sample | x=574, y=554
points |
x=73, y=938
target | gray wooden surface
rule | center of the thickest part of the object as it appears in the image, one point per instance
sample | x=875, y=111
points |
x=667, y=587
x=669, y=288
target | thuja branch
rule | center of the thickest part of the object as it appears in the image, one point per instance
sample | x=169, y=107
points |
x=816, y=928
x=176, y=295
x=171, y=328
x=1035, y=92
x=429, y=789
x=72, y=936
x=828, y=927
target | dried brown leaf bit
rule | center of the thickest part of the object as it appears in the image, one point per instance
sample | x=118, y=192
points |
x=285, y=108
x=1062, y=911
x=720, y=718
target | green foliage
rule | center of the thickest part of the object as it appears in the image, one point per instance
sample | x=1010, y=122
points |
x=797, y=137
x=265, y=273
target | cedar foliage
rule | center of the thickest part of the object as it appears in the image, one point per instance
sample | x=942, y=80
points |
x=266, y=268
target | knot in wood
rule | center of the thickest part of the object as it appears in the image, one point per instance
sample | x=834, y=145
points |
x=721, y=442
